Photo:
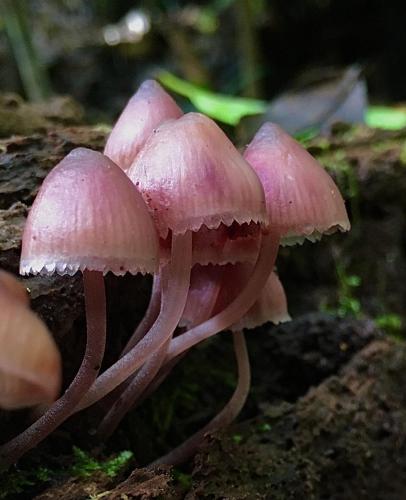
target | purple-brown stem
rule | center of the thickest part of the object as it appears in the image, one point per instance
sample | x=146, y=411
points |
x=132, y=393
x=227, y=415
x=150, y=316
x=144, y=326
x=238, y=307
x=152, y=374
x=95, y=301
x=175, y=286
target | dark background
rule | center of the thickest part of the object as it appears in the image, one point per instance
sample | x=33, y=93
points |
x=255, y=48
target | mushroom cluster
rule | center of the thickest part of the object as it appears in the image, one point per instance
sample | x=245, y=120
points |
x=170, y=196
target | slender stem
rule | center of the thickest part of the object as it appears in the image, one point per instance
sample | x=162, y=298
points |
x=150, y=316
x=175, y=285
x=152, y=374
x=144, y=326
x=95, y=302
x=131, y=394
x=227, y=415
x=202, y=314
x=238, y=307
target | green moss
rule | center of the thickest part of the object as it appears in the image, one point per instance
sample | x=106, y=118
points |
x=85, y=465
x=182, y=479
x=390, y=323
x=348, y=303
x=402, y=156
x=17, y=482
x=24, y=481
x=264, y=427
x=237, y=438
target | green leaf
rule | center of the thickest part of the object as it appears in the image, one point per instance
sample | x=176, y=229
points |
x=386, y=117
x=225, y=108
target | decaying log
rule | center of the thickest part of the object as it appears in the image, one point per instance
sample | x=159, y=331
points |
x=345, y=440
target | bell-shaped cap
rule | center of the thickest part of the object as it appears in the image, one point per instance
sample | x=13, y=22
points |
x=271, y=306
x=148, y=107
x=302, y=199
x=30, y=363
x=191, y=175
x=12, y=287
x=88, y=215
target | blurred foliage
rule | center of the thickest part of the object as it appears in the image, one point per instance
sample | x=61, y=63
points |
x=390, y=323
x=225, y=108
x=100, y=51
x=386, y=117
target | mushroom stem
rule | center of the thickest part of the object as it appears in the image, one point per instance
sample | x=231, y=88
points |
x=132, y=393
x=175, y=285
x=238, y=307
x=153, y=373
x=150, y=316
x=144, y=326
x=95, y=301
x=227, y=414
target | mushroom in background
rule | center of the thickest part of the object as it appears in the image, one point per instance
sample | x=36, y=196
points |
x=147, y=109
x=30, y=363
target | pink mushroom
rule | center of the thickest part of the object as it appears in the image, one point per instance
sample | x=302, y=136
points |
x=30, y=363
x=191, y=176
x=9, y=284
x=148, y=107
x=302, y=202
x=89, y=217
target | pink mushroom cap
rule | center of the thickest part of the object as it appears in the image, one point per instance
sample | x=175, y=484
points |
x=148, y=107
x=30, y=363
x=302, y=199
x=88, y=215
x=191, y=175
x=271, y=306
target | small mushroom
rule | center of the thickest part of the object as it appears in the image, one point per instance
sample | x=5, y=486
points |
x=86, y=217
x=302, y=201
x=148, y=107
x=190, y=176
x=9, y=284
x=30, y=363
